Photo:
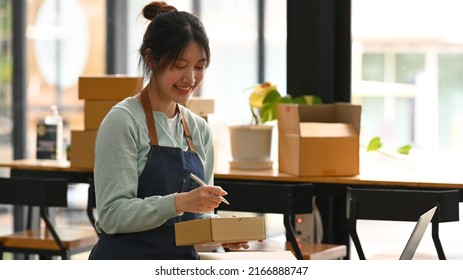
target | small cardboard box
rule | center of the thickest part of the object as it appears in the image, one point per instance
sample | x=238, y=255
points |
x=95, y=111
x=109, y=87
x=319, y=140
x=82, y=152
x=219, y=230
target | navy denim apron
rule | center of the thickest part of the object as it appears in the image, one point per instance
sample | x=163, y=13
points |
x=167, y=171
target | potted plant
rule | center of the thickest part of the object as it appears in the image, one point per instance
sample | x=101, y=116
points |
x=251, y=144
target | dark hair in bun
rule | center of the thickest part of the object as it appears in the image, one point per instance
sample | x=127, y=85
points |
x=168, y=35
x=154, y=8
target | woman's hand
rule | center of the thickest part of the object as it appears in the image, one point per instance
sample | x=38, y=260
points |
x=201, y=199
x=236, y=246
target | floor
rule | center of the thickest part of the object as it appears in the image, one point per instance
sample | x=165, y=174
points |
x=379, y=239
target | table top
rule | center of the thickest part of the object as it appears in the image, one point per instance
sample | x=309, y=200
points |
x=433, y=170
x=440, y=169
x=43, y=165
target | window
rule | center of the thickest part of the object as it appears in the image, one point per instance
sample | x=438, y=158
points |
x=232, y=27
x=407, y=72
x=6, y=68
x=65, y=39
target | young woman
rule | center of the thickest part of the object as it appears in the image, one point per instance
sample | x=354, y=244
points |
x=149, y=144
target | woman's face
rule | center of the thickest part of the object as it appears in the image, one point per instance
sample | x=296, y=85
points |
x=177, y=82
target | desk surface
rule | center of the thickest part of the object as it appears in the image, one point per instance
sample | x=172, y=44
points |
x=42, y=165
x=434, y=170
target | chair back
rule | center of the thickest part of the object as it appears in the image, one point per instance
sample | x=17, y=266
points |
x=402, y=205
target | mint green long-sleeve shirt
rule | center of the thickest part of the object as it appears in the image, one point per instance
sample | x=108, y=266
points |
x=121, y=151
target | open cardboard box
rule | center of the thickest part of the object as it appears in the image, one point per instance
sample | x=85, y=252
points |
x=319, y=140
x=214, y=231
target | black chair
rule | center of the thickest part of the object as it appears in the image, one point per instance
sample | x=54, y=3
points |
x=48, y=240
x=400, y=205
x=282, y=198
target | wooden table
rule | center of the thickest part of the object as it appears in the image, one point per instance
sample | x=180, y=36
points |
x=430, y=170
x=438, y=170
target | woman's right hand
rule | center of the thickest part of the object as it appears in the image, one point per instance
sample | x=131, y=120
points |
x=201, y=199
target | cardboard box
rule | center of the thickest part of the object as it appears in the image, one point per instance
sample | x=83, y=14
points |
x=82, y=152
x=219, y=230
x=201, y=106
x=319, y=140
x=109, y=87
x=95, y=111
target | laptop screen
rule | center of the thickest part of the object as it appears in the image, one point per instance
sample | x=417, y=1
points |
x=417, y=234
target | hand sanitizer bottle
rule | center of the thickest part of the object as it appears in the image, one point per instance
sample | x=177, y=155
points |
x=50, y=136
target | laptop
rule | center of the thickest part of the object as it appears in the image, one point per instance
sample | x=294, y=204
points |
x=417, y=234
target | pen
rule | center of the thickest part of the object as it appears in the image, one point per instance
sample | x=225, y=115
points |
x=202, y=183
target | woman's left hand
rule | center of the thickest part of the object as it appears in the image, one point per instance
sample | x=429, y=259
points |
x=236, y=245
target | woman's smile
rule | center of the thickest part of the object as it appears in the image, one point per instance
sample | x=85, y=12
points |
x=184, y=89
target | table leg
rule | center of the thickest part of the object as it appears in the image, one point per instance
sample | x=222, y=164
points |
x=291, y=235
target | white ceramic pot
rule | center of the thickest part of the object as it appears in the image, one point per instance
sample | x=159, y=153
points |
x=251, y=146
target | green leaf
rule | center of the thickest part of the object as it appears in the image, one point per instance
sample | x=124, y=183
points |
x=374, y=144
x=272, y=97
x=307, y=99
x=404, y=150
x=312, y=99
x=268, y=112
x=286, y=99
x=299, y=100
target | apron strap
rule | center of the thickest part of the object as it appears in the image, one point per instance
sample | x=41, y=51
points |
x=186, y=133
x=145, y=102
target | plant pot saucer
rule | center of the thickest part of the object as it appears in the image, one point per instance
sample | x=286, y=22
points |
x=251, y=165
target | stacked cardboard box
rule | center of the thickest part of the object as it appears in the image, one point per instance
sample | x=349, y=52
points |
x=100, y=94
